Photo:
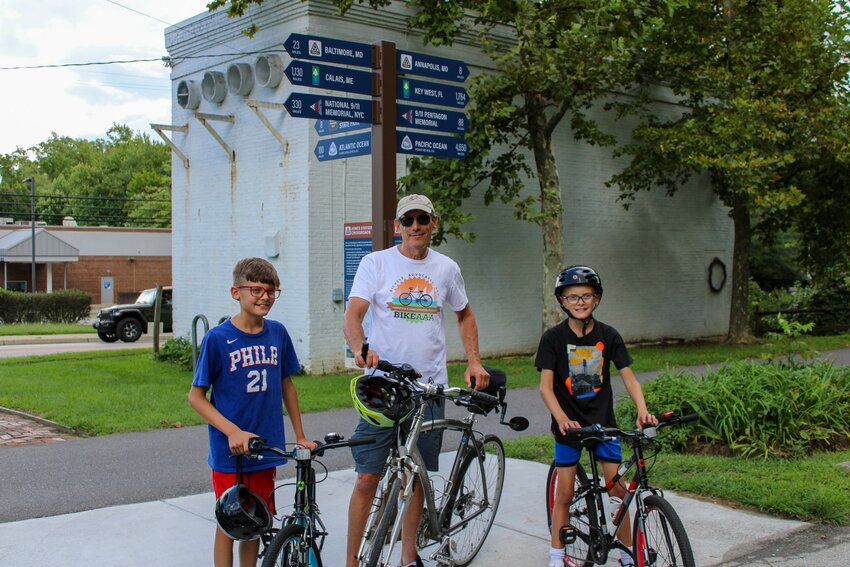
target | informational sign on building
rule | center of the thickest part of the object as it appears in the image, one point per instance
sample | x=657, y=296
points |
x=357, y=242
x=342, y=147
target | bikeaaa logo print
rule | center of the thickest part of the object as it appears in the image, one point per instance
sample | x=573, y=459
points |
x=414, y=299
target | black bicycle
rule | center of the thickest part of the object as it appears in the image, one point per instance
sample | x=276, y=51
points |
x=299, y=540
x=659, y=537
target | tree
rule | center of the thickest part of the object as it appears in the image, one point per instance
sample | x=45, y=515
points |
x=124, y=179
x=763, y=83
x=553, y=60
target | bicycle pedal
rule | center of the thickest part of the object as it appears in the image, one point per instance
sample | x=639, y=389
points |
x=568, y=535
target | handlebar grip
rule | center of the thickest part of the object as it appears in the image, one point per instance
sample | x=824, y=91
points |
x=364, y=350
x=595, y=429
x=483, y=398
x=361, y=441
x=689, y=418
x=256, y=444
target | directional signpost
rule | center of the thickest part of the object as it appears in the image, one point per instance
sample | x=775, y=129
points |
x=315, y=65
x=432, y=93
x=344, y=146
x=430, y=145
x=322, y=76
x=431, y=119
x=303, y=105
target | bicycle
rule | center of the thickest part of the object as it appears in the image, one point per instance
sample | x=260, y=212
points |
x=419, y=297
x=659, y=537
x=299, y=540
x=460, y=518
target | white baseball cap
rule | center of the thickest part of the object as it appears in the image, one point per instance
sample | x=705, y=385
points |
x=414, y=203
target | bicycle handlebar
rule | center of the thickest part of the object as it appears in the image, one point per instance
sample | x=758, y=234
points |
x=599, y=432
x=257, y=446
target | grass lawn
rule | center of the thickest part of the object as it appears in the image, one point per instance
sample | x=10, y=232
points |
x=782, y=487
x=45, y=329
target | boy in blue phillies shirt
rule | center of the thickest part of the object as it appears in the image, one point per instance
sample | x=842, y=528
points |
x=246, y=363
x=574, y=360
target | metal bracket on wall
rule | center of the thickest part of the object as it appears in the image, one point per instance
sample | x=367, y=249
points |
x=204, y=117
x=158, y=128
x=256, y=105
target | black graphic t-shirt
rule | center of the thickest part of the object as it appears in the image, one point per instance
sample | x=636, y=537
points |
x=581, y=366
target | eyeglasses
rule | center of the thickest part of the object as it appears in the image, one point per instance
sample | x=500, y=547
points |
x=258, y=291
x=573, y=299
x=407, y=222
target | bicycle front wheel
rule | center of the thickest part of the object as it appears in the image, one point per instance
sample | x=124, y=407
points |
x=290, y=548
x=582, y=516
x=661, y=541
x=476, y=499
x=375, y=540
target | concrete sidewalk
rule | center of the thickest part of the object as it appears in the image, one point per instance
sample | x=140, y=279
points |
x=179, y=531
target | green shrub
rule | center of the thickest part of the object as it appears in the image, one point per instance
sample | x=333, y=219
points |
x=754, y=409
x=177, y=350
x=64, y=306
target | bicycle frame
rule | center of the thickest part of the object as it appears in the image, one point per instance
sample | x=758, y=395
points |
x=305, y=510
x=608, y=527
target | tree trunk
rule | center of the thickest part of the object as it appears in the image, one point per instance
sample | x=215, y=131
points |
x=739, y=330
x=552, y=221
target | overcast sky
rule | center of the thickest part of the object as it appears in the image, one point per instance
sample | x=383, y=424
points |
x=83, y=102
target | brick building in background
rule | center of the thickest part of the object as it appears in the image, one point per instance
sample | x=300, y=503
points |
x=111, y=264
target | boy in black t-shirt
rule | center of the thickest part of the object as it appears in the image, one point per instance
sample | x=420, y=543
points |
x=574, y=359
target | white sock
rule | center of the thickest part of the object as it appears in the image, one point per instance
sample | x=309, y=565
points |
x=556, y=556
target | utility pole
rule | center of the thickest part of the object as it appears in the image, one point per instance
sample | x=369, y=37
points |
x=31, y=181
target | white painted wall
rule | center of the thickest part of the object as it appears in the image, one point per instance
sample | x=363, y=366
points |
x=653, y=259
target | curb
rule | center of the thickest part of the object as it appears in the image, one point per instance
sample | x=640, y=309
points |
x=41, y=420
x=48, y=339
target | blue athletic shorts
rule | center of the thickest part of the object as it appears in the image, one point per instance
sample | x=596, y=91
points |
x=567, y=455
x=371, y=458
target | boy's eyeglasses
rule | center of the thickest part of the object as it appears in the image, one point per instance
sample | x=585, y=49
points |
x=407, y=222
x=573, y=299
x=258, y=291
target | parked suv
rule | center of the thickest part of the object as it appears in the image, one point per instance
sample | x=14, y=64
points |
x=128, y=322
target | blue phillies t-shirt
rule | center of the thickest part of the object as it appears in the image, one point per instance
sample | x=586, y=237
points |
x=244, y=373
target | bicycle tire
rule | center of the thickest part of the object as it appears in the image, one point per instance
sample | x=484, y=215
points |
x=582, y=515
x=373, y=549
x=288, y=549
x=425, y=300
x=663, y=536
x=405, y=299
x=479, y=492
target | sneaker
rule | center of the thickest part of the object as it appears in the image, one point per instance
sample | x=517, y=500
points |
x=417, y=564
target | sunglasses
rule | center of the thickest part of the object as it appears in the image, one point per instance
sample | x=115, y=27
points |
x=407, y=222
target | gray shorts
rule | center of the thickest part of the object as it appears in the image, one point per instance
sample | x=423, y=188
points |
x=371, y=458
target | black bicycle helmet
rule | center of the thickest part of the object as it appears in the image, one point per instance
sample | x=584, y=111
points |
x=381, y=401
x=578, y=275
x=242, y=514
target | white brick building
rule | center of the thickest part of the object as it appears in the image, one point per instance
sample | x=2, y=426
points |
x=276, y=200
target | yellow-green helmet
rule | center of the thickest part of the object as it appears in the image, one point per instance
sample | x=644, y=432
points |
x=381, y=401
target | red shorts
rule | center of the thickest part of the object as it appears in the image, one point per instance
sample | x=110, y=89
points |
x=260, y=482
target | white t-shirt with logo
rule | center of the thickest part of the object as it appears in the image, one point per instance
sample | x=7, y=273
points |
x=407, y=299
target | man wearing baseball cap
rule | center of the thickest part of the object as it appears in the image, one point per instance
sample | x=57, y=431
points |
x=408, y=289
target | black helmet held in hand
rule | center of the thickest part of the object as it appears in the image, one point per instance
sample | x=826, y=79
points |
x=241, y=514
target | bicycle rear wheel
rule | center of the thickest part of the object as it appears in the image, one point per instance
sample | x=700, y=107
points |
x=662, y=541
x=476, y=500
x=289, y=548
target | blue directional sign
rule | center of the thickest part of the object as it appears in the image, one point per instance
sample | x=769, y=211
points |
x=344, y=146
x=329, y=50
x=322, y=76
x=412, y=63
x=327, y=127
x=303, y=105
x=431, y=93
x=431, y=145
x=431, y=119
